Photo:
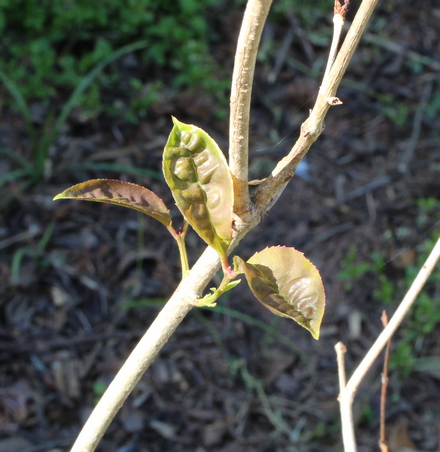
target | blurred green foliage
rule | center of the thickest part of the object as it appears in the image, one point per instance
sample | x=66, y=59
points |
x=108, y=57
x=48, y=46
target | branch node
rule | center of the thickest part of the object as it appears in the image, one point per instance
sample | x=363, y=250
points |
x=341, y=9
x=334, y=101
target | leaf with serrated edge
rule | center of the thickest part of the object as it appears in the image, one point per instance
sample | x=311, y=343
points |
x=288, y=284
x=197, y=173
x=120, y=193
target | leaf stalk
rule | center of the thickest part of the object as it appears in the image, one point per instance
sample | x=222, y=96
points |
x=180, y=239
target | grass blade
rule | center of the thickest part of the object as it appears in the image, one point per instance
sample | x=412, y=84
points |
x=20, y=101
x=87, y=80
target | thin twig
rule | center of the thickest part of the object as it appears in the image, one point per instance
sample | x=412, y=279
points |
x=404, y=50
x=282, y=54
x=417, y=127
x=347, y=395
x=341, y=349
x=383, y=394
x=241, y=91
x=346, y=411
x=313, y=126
x=339, y=14
x=395, y=320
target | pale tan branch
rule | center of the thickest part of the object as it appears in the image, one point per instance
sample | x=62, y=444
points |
x=314, y=124
x=348, y=392
x=395, y=320
x=166, y=322
x=340, y=12
x=181, y=302
x=348, y=436
x=241, y=91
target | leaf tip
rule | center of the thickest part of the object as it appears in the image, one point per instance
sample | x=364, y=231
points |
x=176, y=122
x=315, y=334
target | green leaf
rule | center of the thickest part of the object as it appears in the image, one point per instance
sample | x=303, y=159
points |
x=198, y=175
x=120, y=193
x=287, y=284
x=232, y=284
x=210, y=299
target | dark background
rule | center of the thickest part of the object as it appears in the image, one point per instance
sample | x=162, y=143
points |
x=80, y=282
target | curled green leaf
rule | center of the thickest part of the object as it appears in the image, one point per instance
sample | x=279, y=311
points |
x=198, y=175
x=120, y=193
x=287, y=284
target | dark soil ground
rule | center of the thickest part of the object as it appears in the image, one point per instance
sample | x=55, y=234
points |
x=234, y=378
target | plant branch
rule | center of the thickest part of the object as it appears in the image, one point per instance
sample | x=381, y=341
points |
x=348, y=437
x=180, y=240
x=191, y=287
x=241, y=91
x=180, y=236
x=172, y=314
x=395, y=320
x=314, y=125
x=347, y=393
x=383, y=393
x=338, y=22
x=181, y=302
x=341, y=350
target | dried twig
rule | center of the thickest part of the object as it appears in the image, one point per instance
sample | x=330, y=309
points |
x=383, y=394
x=404, y=50
x=417, y=126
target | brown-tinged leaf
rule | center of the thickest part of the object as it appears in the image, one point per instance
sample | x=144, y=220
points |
x=120, y=193
x=288, y=284
x=198, y=175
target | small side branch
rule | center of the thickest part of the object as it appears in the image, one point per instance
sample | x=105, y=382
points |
x=345, y=401
x=348, y=392
x=341, y=350
x=241, y=90
x=340, y=12
x=383, y=393
x=314, y=125
x=395, y=320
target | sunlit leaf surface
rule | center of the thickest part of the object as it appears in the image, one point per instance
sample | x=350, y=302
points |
x=288, y=284
x=198, y=175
